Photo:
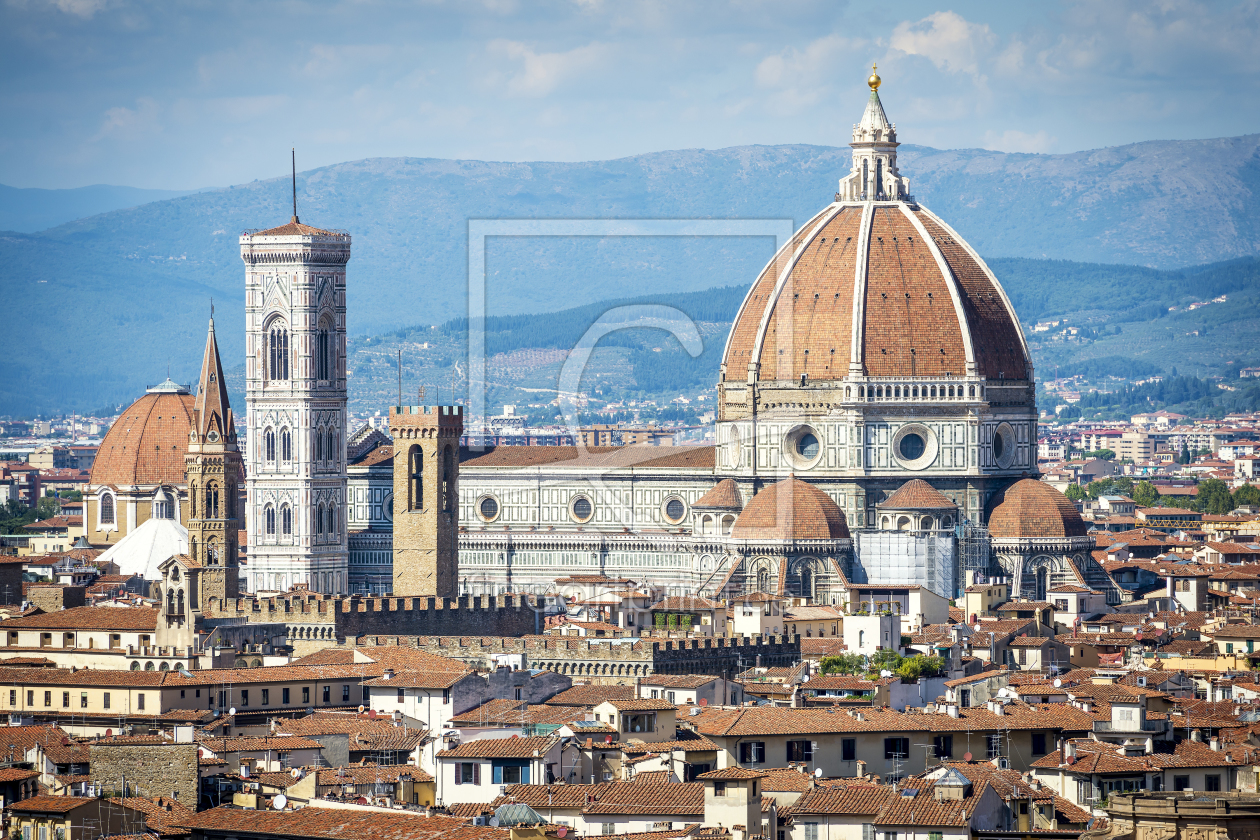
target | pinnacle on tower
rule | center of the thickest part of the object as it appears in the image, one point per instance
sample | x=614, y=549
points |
x=874, y=176
x=211, y=412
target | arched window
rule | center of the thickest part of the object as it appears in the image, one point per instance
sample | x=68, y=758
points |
x=278, y=352
x=212, y=501
x=286, y=445
x=448, y=480
x=286, y=520
x=865, y=180
x=332, y=446
x=212, y=552
x=415, y=465
x=971, y=390
x=330, y=525
x=179, y=606
x=269, y=446
x=319, y=520
x=879, y=178
x=319, y=444
x=322, y=352
x=107, y=508
x=269, y=518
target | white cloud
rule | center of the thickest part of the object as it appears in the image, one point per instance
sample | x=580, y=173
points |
x=803, y=77
x=130, y=122
x=82, y=8
x=539, y=74
x=1019, y=141
x=948, y=40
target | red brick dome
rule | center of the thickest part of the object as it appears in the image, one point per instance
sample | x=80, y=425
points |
x=791, y=510
x=884, y=289
x=148, y=441
x=1033, y=509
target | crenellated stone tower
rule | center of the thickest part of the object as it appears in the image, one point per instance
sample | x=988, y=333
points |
x=426, y=498
x=295, y=392
x=214, y=472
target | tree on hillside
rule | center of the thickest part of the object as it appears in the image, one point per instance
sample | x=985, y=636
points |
x=1102, y=454
x=1214, y=497
x=1145, y=494
x=1248, y=494
x=1074, y=492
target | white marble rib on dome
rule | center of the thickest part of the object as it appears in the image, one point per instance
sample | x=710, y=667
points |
x=147, y=547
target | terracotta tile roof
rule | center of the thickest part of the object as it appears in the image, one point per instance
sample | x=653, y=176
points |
x=550, y=796
x=791, y=509
x=917, y=494
x=731, y=773
x=162, y=816
x=852, y=799
x=295, y=228
x=329, y=824
x=677, y=680
x=725, y=496
x=16, y=774
x=811, y=648
x=89, y=618
x=49, y=804
x=382, y=454
x=327, y=656
x=500, y=748
x=682, y=799
x=1032, y=508
x=284, y=743
x=768, y=720
x=515, y=713
x=420, y=679
x=146, y=445
x=787, y=780
x=636, y=705
x=590, y=695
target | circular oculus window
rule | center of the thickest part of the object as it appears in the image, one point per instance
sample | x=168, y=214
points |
x=802, y=447
x=914, y=446
x=674, y=509
x=1004, y=445
x=581, y=509
x=488, y=508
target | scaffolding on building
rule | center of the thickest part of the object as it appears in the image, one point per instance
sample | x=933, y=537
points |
x=974, y=553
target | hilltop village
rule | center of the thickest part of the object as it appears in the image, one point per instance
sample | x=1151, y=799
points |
x=883, y=601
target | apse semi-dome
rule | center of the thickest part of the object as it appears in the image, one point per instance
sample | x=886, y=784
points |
x=791, y=509
x=1032, y=509
x=148, y=441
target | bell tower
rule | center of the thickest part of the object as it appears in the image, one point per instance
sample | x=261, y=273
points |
x=426, y=499
x=214, y=472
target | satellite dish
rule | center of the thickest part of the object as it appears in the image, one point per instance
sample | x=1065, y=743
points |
x=607, y=739
x=279, y=802
x=232, y=710
x=817, y=772
x=494, y=821
x=704, y=702
x=1058, y=683
x=109, y=733
x=562, y=832
x=361, y=710
x=372, y=714
x=966, y=756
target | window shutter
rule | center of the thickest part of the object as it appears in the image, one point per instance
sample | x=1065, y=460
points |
x=476, y=772
x=868, y=831
x=496, y=775
x=525, y=775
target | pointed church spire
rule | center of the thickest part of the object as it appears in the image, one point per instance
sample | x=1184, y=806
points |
x=211, y=412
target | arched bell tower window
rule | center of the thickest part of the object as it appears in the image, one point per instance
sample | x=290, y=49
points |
x=212, y=552
x=323, y=351
x=212, y=501
x=286, y=445
x=107, y=508
x=286, y=520
x=269, y=446
x=448, y=480
x=278, y=352
x=269, y=518
x=415, y=478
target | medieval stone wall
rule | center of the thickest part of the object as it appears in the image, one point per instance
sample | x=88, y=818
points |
x=148, y=770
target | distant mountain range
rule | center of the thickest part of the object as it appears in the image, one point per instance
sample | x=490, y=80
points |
x=99, y=306
x=30, y=210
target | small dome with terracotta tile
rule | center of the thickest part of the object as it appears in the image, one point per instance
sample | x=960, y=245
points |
x=1033, y=509
x=148, y=441
x=791, y=510
x=725, y=496
x=917, y=494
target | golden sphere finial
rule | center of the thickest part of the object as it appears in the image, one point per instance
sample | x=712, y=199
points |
x=874, y=80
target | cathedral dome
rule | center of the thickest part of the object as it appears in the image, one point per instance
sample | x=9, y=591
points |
x=791, y=509
x=1032, y=509
x=875, y=285
x=148, y=441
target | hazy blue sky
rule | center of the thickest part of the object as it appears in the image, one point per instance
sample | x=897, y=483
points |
x=175, y=94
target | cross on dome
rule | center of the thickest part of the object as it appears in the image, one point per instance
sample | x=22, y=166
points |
x=874, y=176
